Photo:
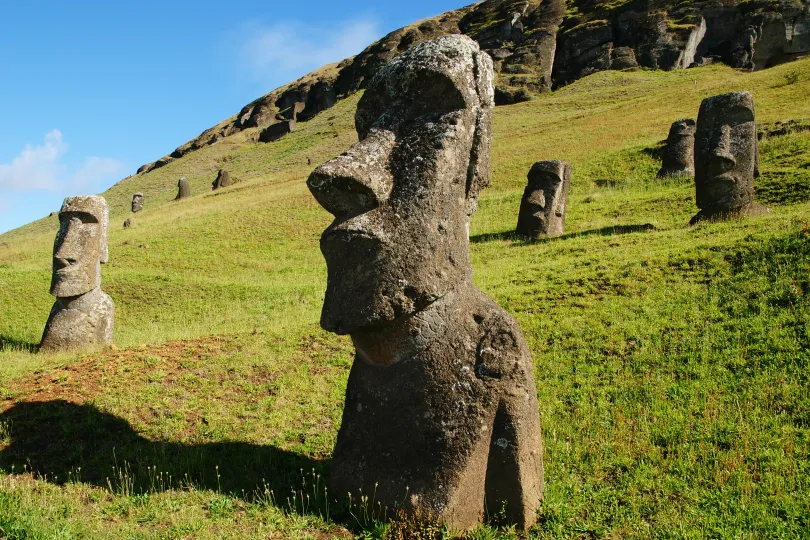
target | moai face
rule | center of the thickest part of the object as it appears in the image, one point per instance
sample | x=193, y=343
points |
x=137, y=202
x=402, y=196
x=80, y=246
x=726, y=152
x=542, y=211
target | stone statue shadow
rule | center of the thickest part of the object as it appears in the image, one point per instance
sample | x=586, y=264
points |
x=70, y=442
x=521, y=240
x=11, y=344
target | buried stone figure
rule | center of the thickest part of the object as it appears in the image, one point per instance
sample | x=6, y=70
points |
x=726, y=158
x=542, y=209
x=82, y=317
x=678, y=157
x=441, y=417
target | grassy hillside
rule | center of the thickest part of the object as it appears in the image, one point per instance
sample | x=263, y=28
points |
x=671, y=362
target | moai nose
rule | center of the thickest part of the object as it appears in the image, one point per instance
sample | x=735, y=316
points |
x=722, y=159
x=356, y=181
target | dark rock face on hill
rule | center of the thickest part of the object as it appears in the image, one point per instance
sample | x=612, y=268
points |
x=540, y=44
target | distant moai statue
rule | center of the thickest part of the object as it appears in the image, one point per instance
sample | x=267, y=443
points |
x=137, y=202
x=441, y=418
x=183, y=189
x=542, y=209
x=222, y=180
x=726, y=158
x=82, y=317
x=678, y=157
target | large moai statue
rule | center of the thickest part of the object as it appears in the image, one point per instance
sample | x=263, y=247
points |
x=441, y=418
x=137, y=202
x=82, y=317
x=542, y=209
x=222, y=180
x=678, y=158
x=183, y=189
x=726, y=157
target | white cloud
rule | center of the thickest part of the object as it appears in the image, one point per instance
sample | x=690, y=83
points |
x=296, y=47
x=40, y=168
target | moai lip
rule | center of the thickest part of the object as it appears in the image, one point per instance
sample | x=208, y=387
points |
x=726, y=158
x=183, y=189
x=82, y=316
x=137, y=202
x=678, y=158
x=542, y=209
x=441, y=419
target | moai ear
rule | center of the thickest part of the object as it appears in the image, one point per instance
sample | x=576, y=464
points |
x=478, y=173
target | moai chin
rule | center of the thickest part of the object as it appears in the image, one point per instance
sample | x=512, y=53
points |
x=82, y=316
x=726, y=157
x=441, y=417
x=137, y=202
x=542, y=209
x=678, y=158
x=183, y=189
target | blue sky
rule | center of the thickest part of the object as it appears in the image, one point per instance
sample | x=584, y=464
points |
x=92, y=90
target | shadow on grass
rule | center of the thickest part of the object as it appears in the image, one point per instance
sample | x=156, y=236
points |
x=11, y=344
x=522, y=240
x=62, y=442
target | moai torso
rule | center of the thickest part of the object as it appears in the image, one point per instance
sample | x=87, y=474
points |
x=82, y=316
x=542, y=209
x=183, y=189
x=137, y=202
x=678, y=158
x=441, y=418
x=726, y=157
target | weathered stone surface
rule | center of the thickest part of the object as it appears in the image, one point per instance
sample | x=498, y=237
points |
x=542, y=209
x=82, y=316
x=137, y=202
x=678, y=156
x=183, y=189
x=726, y=160
x=441, y=417
x=276, y=131
x=222, y=180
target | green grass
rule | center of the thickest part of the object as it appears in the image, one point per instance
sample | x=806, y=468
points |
x=671, y=362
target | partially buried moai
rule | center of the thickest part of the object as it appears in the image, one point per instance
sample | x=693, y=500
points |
x=542, y=209
x=726, y=160
x=222, y=180
x=137, y=202
x=441, y=417
x=678, y=157
x=82, y=317
x=183, y=189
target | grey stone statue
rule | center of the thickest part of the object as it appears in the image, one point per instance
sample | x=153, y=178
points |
x=137, y=202
x=441, y=416
x=678, y=158
x=222, y=180
x=183, y=189
x=726, y=157
x=82, y=317
x=542, y=209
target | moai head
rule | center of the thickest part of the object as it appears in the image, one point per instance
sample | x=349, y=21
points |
x=222, y=180
x=726, y=152
x=403, y=195
x=542, y=210
x=183, y=188
x=80, y=246
x=137, y=202
x=678, y=158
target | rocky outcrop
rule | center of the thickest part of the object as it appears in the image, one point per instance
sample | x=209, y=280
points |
x=537, y=45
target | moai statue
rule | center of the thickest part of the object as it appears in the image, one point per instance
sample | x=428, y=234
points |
x=542, y=209
x=678, y=158
x=441, y=417
x=82, y=317
x=137, y=202
x=183, y=189
x=223, y=180
x=726, y=157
